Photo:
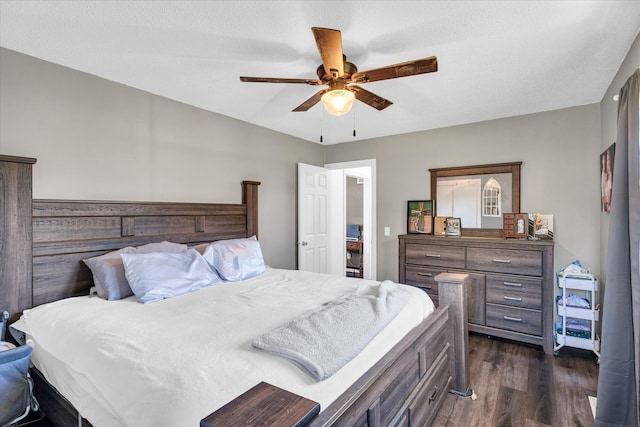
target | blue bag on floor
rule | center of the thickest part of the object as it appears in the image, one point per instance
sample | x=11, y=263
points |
x=15, y=387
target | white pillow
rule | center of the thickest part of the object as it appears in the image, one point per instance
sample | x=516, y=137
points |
x=108, y=271
x=160, y=275
x=236, y=259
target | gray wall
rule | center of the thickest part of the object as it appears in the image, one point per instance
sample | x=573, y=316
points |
x=99, y=140
x=609, y=120
x=355, y=201
x=560, y=174
x=95, y=139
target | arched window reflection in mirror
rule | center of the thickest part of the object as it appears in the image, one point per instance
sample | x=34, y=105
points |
x=491, y=203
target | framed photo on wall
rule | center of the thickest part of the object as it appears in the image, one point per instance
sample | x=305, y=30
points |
x=606, y=177
x=420, y=217
x=453, y=227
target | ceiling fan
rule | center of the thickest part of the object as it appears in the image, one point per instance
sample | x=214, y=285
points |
x=343, y=77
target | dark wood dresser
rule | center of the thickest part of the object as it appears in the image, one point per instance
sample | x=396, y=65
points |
x=511, y=293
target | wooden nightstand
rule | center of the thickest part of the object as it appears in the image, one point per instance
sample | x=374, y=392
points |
x=355, y=247
x=262, y=406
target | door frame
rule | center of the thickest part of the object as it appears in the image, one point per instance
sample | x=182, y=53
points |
x=338, y=198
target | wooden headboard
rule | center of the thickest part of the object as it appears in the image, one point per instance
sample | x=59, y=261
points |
x=64, y=232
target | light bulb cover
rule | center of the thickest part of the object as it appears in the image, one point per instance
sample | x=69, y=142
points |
x=338, y=102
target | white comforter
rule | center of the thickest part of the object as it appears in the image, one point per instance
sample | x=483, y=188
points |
x=171, y=363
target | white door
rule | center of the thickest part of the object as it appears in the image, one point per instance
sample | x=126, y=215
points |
x=313, y=218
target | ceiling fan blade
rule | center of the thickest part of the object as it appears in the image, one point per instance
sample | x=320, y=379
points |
x=280, y=80
x=409, y=68
x=311, y=101
x=329, y=44
x=370, y=98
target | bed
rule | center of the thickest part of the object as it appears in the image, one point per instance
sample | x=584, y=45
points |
x=401, y=378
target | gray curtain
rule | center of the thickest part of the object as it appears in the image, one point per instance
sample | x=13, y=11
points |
x=619, y=377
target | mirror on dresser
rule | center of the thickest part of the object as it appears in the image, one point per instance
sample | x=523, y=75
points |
x=457, y=185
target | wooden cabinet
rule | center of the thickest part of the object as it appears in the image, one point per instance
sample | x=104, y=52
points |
x=16, y=268
x=354, y=259
x=510, y=294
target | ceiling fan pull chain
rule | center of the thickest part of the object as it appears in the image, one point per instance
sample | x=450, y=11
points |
x=354, y=123
x=321, y=125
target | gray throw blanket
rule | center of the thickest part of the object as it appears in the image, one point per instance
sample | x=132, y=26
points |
x=323, y=340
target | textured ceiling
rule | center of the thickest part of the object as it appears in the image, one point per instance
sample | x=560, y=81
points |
x=496, y=58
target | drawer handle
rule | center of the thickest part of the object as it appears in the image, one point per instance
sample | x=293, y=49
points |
x=432, y=255
x=426, y=287
x=512, y=298
x=425, y=274
x=434, y=395
x=516, y=285
x=502, y=261
x=513, y=319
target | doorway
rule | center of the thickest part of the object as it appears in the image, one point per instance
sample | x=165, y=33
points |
x=355, y=205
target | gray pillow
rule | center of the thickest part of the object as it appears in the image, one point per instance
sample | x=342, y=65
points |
x=108, y=270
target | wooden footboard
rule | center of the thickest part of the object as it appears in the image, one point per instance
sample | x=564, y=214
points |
x=408, y=386
x=405, y=385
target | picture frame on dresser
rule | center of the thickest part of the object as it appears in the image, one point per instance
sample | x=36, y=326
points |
x=453, y=227
x=439, y=225
x=420, y=216
x=540, y=226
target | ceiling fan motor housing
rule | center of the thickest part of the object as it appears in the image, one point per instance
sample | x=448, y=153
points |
x=349, y=69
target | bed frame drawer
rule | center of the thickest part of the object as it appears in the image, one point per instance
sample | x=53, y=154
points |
x=509, y=261
x=435, y=255
x=515, y=319
x=514, y=291
x=431, y=392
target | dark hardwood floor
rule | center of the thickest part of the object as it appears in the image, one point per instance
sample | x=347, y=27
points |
x=519, y=385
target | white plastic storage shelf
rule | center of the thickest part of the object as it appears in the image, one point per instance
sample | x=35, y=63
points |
x=586, y=315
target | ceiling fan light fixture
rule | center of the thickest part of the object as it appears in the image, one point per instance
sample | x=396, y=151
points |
x=338, y=102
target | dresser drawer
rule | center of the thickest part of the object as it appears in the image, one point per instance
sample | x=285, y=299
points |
x=514, y=291
x=424, y=278
x=515, y=319
x=435, y=255
x=510, y=261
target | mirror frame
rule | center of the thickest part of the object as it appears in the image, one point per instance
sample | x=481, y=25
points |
x=513, y=168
